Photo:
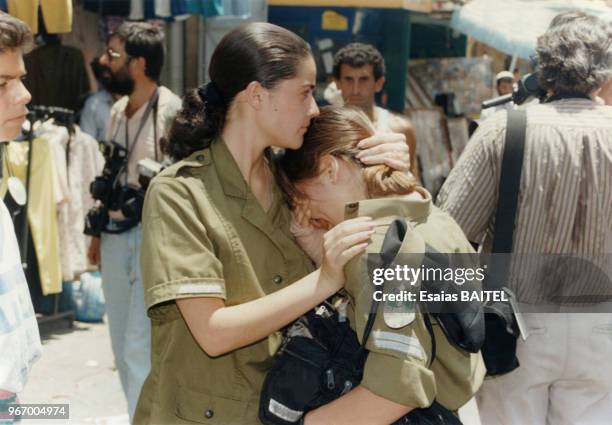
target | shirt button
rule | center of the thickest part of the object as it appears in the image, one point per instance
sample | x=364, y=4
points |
x=278, y=279
x=200, y=158
x=209, y=414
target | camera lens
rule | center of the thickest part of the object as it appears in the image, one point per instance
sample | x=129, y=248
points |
x=99, y=188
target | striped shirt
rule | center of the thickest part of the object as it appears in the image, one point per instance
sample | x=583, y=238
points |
x=565, y=194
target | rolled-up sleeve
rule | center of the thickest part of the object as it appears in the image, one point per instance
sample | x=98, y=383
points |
x=396, y=367
x=397, y=364
x=177, y=255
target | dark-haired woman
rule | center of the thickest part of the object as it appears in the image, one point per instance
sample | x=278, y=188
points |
x=221, y=271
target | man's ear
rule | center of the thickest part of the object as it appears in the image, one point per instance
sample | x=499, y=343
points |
x=330, y=168
x=138, y=65
x=254, y=94
x=379, y=84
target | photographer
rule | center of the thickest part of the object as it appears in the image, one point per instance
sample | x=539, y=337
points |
x=135, y=56
x=564, y=207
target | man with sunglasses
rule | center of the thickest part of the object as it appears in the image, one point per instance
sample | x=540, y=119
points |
x=134, y=56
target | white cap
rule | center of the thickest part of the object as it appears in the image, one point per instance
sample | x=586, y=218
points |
x=504, y=74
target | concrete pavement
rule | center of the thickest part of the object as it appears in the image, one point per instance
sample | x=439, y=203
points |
x=77, y=368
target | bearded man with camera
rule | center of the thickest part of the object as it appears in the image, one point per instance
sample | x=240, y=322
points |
x=134, y=56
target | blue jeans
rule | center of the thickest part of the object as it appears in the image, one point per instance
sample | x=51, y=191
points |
x=130, y=328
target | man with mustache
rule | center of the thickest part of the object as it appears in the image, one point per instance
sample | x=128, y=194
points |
x=359, y=73
x=135, y=56
x=19, y=338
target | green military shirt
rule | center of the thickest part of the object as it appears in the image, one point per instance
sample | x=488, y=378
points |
x=397, y=367
x=206, y=235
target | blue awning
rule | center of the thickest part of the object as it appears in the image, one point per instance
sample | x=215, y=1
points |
x=513, y=26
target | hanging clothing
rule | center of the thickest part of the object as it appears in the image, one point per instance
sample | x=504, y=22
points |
x=78, y=162
x=56, y=136
x=105, y=7
x=85, y=162
x=156, y=9
x=163, y=8
x=57, y=77
x=57, y=14
x=136, y=10
x=149, y=9
x=42, y=217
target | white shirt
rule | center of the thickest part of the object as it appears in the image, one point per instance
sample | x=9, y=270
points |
x=20, y=343
x=145, y=146
x=383, y=119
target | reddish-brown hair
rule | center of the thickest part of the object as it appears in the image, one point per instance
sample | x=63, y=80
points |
x=337, y=131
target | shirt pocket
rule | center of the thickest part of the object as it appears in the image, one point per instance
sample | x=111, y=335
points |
x=210, y=409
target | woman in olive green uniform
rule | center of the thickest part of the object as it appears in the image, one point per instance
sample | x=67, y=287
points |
x=331, y=186
x=221, y=271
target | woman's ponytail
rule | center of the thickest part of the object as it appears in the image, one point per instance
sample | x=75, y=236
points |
x=382, y=180
x=196, y=124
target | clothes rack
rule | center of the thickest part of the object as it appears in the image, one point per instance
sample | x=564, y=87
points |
x=63, y=117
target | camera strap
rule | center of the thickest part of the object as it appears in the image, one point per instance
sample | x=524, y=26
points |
x=151, y=106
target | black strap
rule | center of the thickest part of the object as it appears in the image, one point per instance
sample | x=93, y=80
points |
x=151, y=106
x=507, y=204
x=429, y=327
x=155, y=105
x=389, y=250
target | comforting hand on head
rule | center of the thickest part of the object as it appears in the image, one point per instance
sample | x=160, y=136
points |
x=385, y=148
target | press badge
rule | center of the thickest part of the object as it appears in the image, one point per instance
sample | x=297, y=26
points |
x=401, y=312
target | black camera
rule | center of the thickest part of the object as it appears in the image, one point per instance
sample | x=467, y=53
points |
x=96, y=221
x=114, y=196
x=526, y=88
x=104, y=187
x=132, y=197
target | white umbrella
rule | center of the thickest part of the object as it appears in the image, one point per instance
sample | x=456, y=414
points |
x=513, y=26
